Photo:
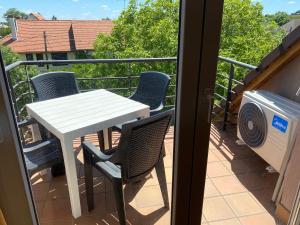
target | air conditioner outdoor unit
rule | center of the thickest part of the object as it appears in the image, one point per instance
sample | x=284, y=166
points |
x=267, y=123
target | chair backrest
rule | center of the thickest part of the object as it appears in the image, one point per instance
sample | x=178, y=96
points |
x=141, y=145
x=152, y=89
x=53, y=85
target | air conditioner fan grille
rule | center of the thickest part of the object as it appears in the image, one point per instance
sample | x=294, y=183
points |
x=252, y=125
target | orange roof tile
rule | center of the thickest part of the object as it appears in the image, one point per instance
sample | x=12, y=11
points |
x=61, y=35
x=37, y=16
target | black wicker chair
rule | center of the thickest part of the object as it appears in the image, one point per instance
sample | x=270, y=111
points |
x=151, y=90
x=47, y=152
x=53, y=85
x=42, y=154
x=141, y=149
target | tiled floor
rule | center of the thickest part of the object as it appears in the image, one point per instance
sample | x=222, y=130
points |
x=238, y=190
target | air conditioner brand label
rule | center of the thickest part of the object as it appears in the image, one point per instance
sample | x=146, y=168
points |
x=280, y=124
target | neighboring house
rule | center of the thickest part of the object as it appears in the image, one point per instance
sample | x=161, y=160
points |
x=291, y=25
x=3, y=25
x=39, y=39
x=35, y=16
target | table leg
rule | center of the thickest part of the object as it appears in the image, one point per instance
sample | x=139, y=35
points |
x=71, y=174
x=106, y=138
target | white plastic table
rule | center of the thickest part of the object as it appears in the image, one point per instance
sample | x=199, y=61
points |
x=81, y=114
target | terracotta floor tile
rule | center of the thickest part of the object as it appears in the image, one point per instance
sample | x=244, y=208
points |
x=264, y=196
x=88, y=220
x=230, y=168
x=40, y=190
x=57, y=222
x=260, y=219
x=256, y=181
x=99, y=206
x=98, y=185
x=149, y=196
x=151, y=215
x=57, y=209
x=59, y=188
x=217, y=169
x=244, y=204
x=227, y=222
x=212, y=157
x=228, y=185
x=210, y=189
x=237, y=166
x=216, y=208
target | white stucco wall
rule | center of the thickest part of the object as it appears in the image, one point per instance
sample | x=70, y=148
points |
x=286, y=83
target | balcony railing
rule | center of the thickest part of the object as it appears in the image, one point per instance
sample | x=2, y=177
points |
x=20, y=72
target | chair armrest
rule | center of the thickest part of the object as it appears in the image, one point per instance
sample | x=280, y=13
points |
x=95, y=152
x=156, y=110
x=45, y=144
x=110, y=170
x=26, y=123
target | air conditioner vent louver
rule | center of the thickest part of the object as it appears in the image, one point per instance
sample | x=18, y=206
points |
x=252, y=124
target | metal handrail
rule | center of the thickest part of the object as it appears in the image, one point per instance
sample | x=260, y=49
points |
x=240, y=64
x=88, y=61
x=230, y=77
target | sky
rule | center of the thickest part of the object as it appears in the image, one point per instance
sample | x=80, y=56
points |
x=67, y=9
x=272, y=6
x=98, y=9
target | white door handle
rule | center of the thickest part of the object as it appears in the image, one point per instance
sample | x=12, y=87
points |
x=1, y=135
x=298, y=92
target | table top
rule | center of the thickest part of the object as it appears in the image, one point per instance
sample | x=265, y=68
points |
x=84, y=113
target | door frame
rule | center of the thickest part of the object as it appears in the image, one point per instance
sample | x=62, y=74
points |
x=197, y=64
x=16, y=202
x=195, y=83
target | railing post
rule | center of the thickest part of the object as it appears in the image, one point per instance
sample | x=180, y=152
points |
x=129, y=79
x=28, y=83
x=12, y=94
x=228, y=98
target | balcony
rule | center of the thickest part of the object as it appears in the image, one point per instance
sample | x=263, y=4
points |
x=238, y=189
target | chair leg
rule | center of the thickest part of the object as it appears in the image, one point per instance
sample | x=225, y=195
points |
x=58, y=169
x=88, y=175
x=110, y=137
x=101, y=140
x=120, y=203
x=161, y=175
x=82, y=139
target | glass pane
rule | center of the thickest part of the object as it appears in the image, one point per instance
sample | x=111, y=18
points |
x=147, y=193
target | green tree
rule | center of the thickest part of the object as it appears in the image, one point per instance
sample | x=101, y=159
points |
x=151, y=30
x=280, y=18
x=14, y=13
x=247, y=35
x=296, y=13
x=146, y=30
x=16, y=75
x=4, y=30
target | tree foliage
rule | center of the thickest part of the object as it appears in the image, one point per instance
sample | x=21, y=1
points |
x=14, y=13
x=296, y=13
x=151, y=30
x=18, y=74
x=141, y=31
x=280, y=18
x=4, y=31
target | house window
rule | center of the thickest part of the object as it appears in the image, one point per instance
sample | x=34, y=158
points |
x=40, y=56
x=59, y=56
x=29, y=57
